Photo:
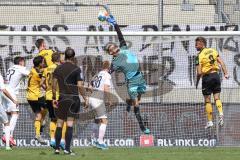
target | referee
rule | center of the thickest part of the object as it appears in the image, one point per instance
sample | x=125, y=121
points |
x=70, y=84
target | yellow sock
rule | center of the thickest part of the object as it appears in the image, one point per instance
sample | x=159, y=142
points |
x=37, y=125
x=219, y=106
x=52, y=128
x=209, y=111
x=64, y=128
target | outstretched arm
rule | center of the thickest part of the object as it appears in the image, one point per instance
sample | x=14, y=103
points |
x=120, y=36
x=111, y=20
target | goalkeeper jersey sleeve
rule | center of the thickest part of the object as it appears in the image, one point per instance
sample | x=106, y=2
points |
x=120, y=37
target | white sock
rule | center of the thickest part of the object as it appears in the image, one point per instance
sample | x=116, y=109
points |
x=13, y=122
x=102, y=130
x=7, y=134
x=94, y=131
x=62, y=141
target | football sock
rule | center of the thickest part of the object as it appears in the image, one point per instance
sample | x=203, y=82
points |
x=52, y=130
x=13, y=122
x=219, y=106
x=37, y=125
x=58, y=135
x=209, y=111
x=7, y=134
x=68, y=138
x=102, y=130
x=139, y=118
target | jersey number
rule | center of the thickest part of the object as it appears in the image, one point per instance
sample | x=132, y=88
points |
x=10, y=72
x=97, y=81
x=212, y=60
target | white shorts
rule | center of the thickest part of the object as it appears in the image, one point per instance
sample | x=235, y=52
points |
x=7, y=103
x=3, y=115
x=99, y=106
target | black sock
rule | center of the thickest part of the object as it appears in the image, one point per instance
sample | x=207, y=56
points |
x=58, y=136
x=68, y=138
x=139, y=118
x=41, y=129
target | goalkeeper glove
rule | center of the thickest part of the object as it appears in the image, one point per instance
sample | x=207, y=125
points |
x=111, y=20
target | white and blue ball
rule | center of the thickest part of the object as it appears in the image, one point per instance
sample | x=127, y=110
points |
x=102, y=16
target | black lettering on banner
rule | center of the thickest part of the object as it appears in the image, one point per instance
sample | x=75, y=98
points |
x=87, y=68
x=101, y=38
x=87, y=42
x=97, y=65
x=144, y=38
x=62, y=38
x=24, y=41
x=150, y=68
x=8, y=61
x=2, y=71
x=236, y=69
x=169, y=67
x=2, y=28
x=229, y=41
x=47, y=38
x=192, y=69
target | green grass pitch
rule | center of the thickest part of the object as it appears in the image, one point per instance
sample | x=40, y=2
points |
x=124, y=154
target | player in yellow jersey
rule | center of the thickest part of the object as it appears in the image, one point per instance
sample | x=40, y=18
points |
x=44, y=52
x=34, y=94
x=207, y=62
x=46, y=82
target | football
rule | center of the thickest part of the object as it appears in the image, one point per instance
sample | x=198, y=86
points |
x=102, y=15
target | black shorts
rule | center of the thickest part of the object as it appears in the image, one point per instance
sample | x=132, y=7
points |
x=37, y=105
x=211, y=83
x=50, y=108
x=68, y=106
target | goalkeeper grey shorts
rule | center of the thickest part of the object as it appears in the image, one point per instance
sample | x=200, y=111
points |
x=3, y=115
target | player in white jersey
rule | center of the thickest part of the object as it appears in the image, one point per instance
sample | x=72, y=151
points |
x=15, y=74
x=100, y=96
x=3, y=114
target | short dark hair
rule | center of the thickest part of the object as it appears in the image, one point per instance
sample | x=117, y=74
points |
x=108, y=45
x=201, y=39
x=37, y=61
x=56, y=57
x=39, y=42
x=18, y=59
x=69, y=53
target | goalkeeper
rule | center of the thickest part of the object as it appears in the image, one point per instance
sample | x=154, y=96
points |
x=126, y=61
